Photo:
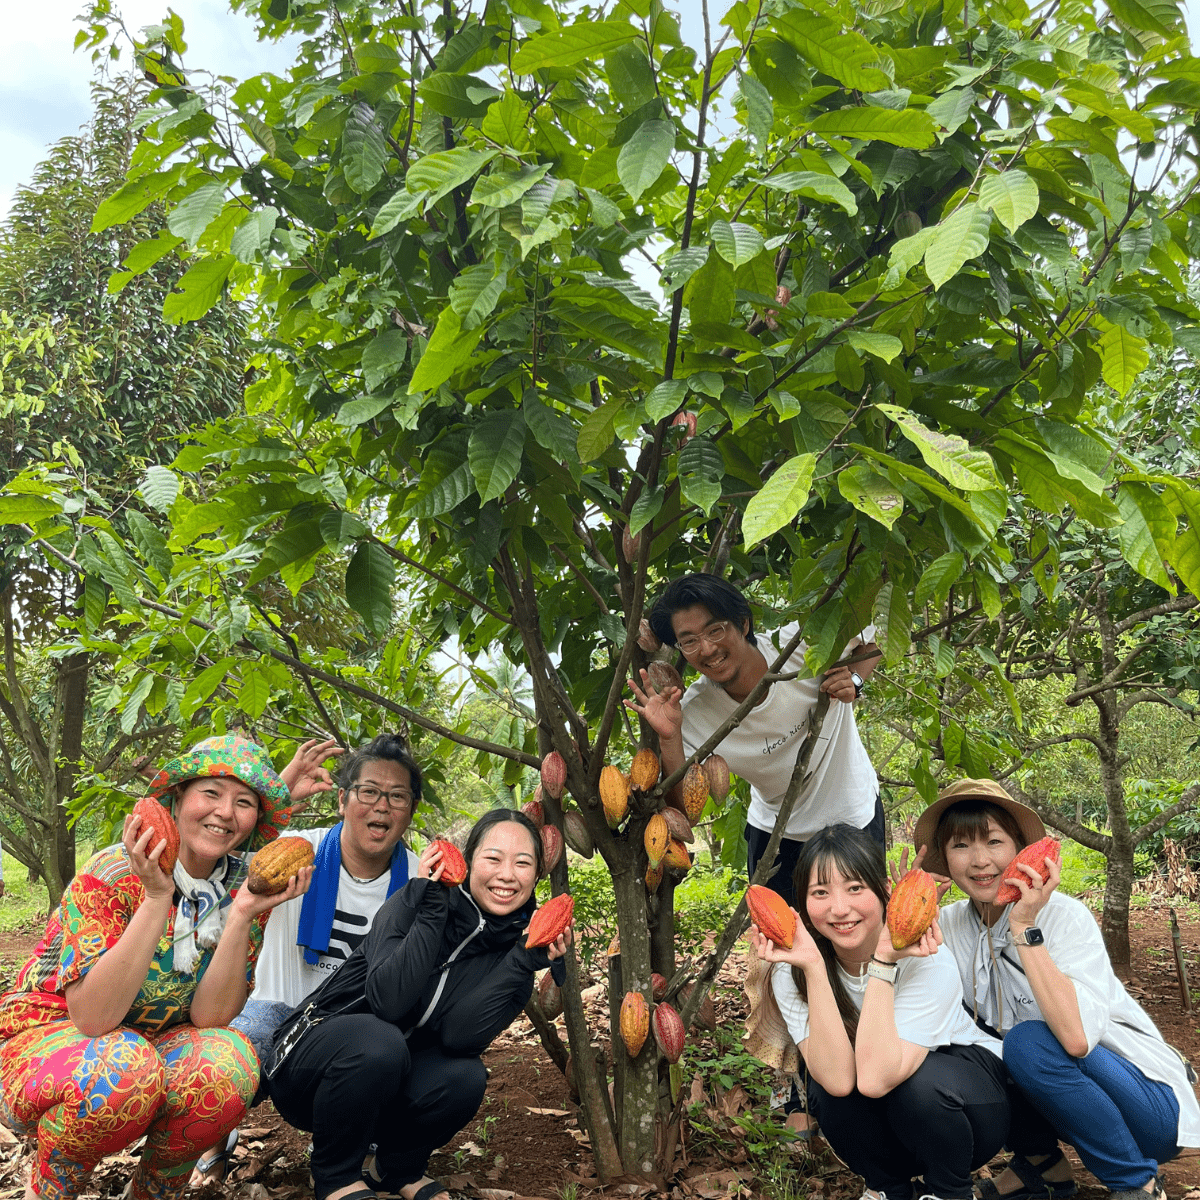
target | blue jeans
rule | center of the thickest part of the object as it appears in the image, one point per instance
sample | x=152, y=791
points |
x=1121, y=1124
x=259, y=1020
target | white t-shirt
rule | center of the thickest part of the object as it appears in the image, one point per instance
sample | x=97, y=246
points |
x=928, y=1003
x=282, y=975
x=1111, y=1017
x=841, y=783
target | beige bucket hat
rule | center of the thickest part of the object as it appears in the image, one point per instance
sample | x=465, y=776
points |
x=1027, y=820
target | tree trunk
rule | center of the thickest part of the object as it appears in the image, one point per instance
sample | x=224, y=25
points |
x=73, y=674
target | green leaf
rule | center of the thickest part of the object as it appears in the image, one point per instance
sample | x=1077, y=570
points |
x=361, y=410
x=159, y=488
x=399, y=207
x=779, y=500
x=494, y=452
x=253, y=236
x=736, y=243
x=893, y=623
x=911, y=127
x=150, y=542
x=254, y=694
x=1123, y=357
x=812, y=185
x=882, y=345
x=552, y=430
x=475, y=293
x=596, y=432
x=1147, y=16
x=989, y=593
x=565, y=47
x=1185, y=554
x=1139, y=546
x=199, y=289
x=871, y=493
x=26, y=510
x=946, y=453
x=846, y=56
x=339, y=528
x=145, y=254
x=437, y=174
x=645, y=509
x=497, y=189
x=384, y=356
x=701, y=472
x=449, y=347
x=133, y=705
x=604, y=212
x=760, y=109
x=642, y=159
x=938, y=578
x=961, y=237
x=196, y=211
x=364, y=150
x=369, y=577
x=131, y=199
x=446, y=479
x=665, y=398
x=204, y=685
x=1012, y=196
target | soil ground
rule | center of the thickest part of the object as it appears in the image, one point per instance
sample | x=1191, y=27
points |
x=527, y=1139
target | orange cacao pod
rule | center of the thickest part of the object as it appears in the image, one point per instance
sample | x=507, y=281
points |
x=614, y=947
x=158, y=817
x=679, y=827
x=454, y=866
x=662, y=675
x=554, y=774
x=658, y=986
x=706, y=1014
x=911, y=908
x=695, y=792
x=635, y=1023
x=656, y=839
x=668, y=1031
x=550, y=920
x=276, y=863
x=677, y=857
x=716, y=770
x=1034, y=855
x=769, y=911
x=654, y=877
x=643, y=771
x=578, y=835
x=552, y=846
x=534, y=811
x=614, y=795
x=549, y=997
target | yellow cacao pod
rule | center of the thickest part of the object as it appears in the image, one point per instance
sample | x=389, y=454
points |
x=276, y=863
x=656, y=838
x=635, y=1023
x=614, y=795
x=695, y=792
x=644, y=770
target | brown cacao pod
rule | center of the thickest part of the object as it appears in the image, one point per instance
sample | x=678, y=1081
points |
x=552, y=846
x=716, y=769
x=662, y=675
x=614, y=947
x=635, y=1023
x=679, y=827
x=695, y=792
x=550, y=920
x=769, y=911
x=654, y=877
x=647, y=638
x=658, y=986
x=554, y=775
x=687, y=422
x=1034, y=855
x=656, y=839
x=631, y=544
x=677, y=857
x=706, y=1014
x=614, y=795
x=535, y=812
x=578, y=835
x=668, y=1032
x=644, y=770
x=454, y=866
x=911, y=908
x=549, y=997
x=158, y=817
x=276, y=863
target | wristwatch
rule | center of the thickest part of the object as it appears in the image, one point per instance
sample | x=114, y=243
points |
x=885, y=971
x=1031, y=937
x=857, y=680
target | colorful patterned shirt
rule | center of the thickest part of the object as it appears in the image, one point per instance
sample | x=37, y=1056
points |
x=94, y=912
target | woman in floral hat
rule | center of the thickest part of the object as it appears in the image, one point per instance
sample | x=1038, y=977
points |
x=114, y=1028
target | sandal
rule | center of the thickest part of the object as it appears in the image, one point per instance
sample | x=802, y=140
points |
x=1033, y=1185
x=214, y=1163
x=427, y=1191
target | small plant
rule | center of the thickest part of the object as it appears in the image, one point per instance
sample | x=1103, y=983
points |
x=568, y=1191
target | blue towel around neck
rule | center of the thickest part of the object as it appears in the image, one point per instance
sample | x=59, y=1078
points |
x=320, y=901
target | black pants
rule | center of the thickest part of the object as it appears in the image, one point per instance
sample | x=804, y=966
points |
x=352, y=1081
x=789, y=852
x=945, y=1120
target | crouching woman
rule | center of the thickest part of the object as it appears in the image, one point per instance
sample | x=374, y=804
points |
x=388, y=1050
x=901, y=1081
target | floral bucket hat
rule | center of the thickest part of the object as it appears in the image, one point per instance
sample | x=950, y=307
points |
x=239, y=758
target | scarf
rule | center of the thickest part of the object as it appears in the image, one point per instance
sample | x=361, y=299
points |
x=320, y=901
x=202, y=910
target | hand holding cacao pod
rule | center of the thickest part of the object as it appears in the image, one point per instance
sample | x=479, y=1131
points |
x=912, y=908
x=1034, y=856
x=276, y=863
x=149, y=826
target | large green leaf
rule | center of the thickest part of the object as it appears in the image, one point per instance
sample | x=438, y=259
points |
x=958, y=239
x=1012, y=196
x=736, y=242
x=812, y=185
x=565, y=47
x=445, y=480
x=596, y=432
x=475, y=293
x=664, y=398
x=1185, y=554
x=1147, y=16
x=364, y=150
x=1123, y=357
x=701, y=472
x=893, y=623
x=399, y=207
x=1139, y=545
x=937, y=579
x=133, y=197
x=846, y=56
x=449, y=347
x=494, y=452
x=200, y=288
x=24, y=510
x=369, y=577
x=643, y=157
x=159, y=488
x=437, y=174
x=196, y=211
x=882, y=345
x=384, y=356
x=909, y=127
x=946, y=453
x=871, y=493
x=552, y=430
x=498, y=189
x=779, y=500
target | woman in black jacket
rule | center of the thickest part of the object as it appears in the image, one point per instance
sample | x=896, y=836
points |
x=388, y=1050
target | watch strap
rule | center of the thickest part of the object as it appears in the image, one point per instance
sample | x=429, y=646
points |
x=885, y=971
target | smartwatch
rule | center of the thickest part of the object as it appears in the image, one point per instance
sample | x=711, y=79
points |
x=1031, y=937
x=857, y=680
x=881, y=970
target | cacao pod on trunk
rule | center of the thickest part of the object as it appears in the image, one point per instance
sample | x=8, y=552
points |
x=1034, y=855
x=656, y=839
x=552, y=846
x=687, y=422
x=644, y=770
x=770, y=912
x=716, y=770
x=662, y=675
x=578, y=835
x=549, y=997
x=276, y=863
x=695, y=791
x=614, y=795
x=654, y=877
x=635, y=1023
x=668, y=1032
x=534, y=811
x=658, y=986
x=454, y=866
x=911, y=908
x=647, y=638
x=550, y=920
x=679, y=827
x=677, y=857
x=554, y=774
x=631, y=544
x=158, y=817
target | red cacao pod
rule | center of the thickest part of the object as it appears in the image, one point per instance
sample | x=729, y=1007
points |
x=552, y=846
x=911, y=908
x=658, y=986
x=1034, y=855
x=635, y=1023
x=677, y=857
x=769, y=911
x=668, y=1031
x=679, y=827
x=535, y=812
x=454, y=866
x=578, y=835
x=276, y=863
x=158, y=817
x=631, y=544
x=687, y=422
x=647, y=638
x=550, y=920
x=554, y=774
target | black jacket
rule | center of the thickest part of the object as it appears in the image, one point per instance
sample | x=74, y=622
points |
x=438, y=967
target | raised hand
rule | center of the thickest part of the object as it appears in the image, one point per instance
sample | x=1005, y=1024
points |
x=660, y=710
x=306, y=774
x=1035, y=894
x=803, y=953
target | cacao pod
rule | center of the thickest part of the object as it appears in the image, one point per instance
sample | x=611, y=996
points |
x=911, y=908
x=454, y=866
x=552, y=846
x=706, y=1014
x=276, y=863
x=677, y=857
x=635, y=1023
x=716, y=769
x=569, y=1074
x=687, y=422
x=158, y=817
x=695, y=792
x=549, y=997
x=578, y=835
x=679, y=827
x=656, y=839
x=769, y=911
x=534, y=811
x=647, y=639
x=668, y=1032
x=658, y=986
x=554, y=774
x=614, y=947
x=631, y=543
x=614, y=795
x=654, y=877
x=550, y=920
x=1034, y=855
x=907, y=224
x=662, y=675
x=644, y=770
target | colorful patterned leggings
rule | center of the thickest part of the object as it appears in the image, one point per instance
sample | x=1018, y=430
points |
x=84, y=1098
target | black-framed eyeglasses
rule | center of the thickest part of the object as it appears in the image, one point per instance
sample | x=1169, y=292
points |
x=714, y=635
x=368, y=794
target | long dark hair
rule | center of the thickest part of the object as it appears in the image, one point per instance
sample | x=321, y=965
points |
x=856, y=855
x=494, y=816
